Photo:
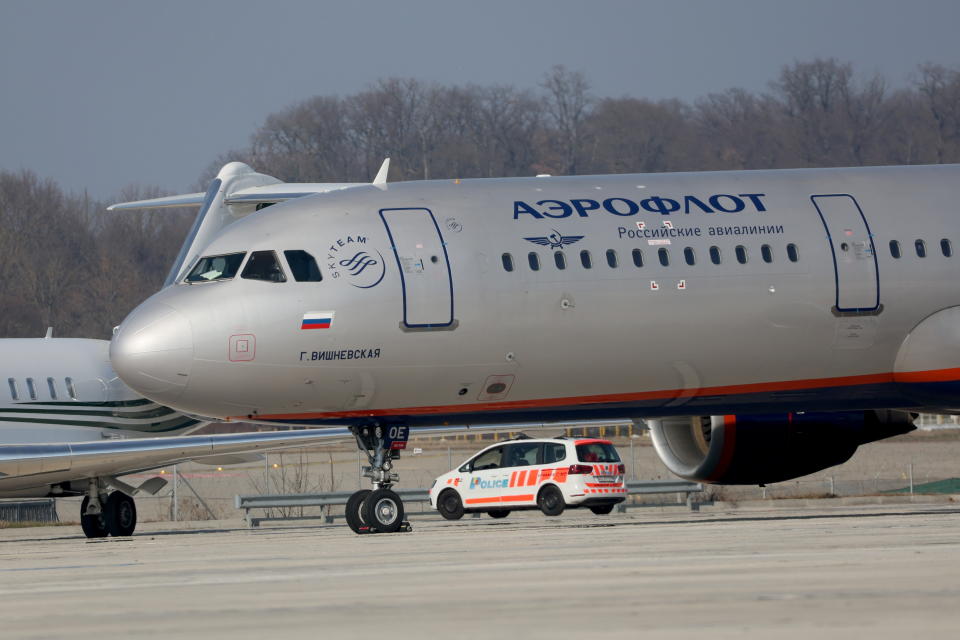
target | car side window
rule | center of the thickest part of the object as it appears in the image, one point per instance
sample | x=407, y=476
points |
x=554, y=452
x=489, y=459
x=521, y=454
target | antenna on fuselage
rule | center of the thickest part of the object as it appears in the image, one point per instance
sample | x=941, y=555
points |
x=380, y=181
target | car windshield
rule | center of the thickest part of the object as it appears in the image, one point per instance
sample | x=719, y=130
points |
x=210, y=268
x=597, y=452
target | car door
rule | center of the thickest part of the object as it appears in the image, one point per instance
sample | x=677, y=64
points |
x=487, y=478
x=524, y=462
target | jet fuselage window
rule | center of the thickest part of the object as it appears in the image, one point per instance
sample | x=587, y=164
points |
x=766, y=253
x=946, y=248
x=52, y=388
x=664, y=257
x=585, y=259
x=637, y=258
x=792, y=253
x=534, y=261
x=507, y=260
x=13, y=388
x=303, y=266
x=560, y=260
x=715, y=255
x=921, y=248
x=31, y=389
x=741, y=252
x=895, y=249
x=71, y=390
x=211, y=268
x=612, y=258
x=689, y=256
x=263, y=265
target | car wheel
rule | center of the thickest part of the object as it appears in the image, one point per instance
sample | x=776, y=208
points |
x=499, y=513
x=602, y=509
x=450, y=505
x=550, y=501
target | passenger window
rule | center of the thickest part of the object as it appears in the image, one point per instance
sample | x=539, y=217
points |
x=637, y=258
x=212, y=268
x=792, y=254
x=31, y=389
x=52, y=388
x=554, y=452
x=507, y=262
x=534, y=261
x=689, y=256
x=522, y=454
x=13, y=388
x=946, y=248
x=741, y=252
x=766, y=253
x=664, y=256
x=921, y=248
x=71, y=391
x=303, y=266
x=612, y=258
x=488, y=460
x=263, y=265
x=560, y=260
x=585, y=259
x=895, y=249
x=715, y=255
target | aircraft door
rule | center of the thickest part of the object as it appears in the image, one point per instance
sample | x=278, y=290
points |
x=421, y=255
x=857, y=275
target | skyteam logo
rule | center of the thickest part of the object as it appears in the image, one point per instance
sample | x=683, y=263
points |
x=350, y=258
x=555, y=240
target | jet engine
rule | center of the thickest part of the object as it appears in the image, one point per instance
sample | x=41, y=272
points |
x=761, y=449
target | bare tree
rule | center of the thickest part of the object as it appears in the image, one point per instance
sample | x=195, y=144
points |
x=568, y=103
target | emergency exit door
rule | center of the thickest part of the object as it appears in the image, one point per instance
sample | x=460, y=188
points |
x=421, y=256
x=856, y=273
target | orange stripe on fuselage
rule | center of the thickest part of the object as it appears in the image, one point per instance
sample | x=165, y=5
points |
x=939, y=375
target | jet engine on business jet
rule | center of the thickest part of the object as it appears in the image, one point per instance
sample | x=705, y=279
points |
x=760, y=449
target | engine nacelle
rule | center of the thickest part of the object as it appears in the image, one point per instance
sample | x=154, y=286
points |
x=760, y=449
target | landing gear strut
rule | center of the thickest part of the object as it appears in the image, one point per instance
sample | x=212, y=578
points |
x=379, y=510
x=105, y=514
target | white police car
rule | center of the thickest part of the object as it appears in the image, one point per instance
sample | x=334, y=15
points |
x=549, y=474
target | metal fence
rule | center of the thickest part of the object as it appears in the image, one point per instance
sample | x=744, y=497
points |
x=44, y=510
x=280, y=507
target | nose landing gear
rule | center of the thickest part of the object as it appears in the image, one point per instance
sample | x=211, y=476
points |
x=379, y=510
x=105, y=514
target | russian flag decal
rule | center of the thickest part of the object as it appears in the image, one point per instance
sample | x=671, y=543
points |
x=317, y=320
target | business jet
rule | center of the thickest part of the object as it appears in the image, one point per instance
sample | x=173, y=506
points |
x=763, y=323
x=69, y=426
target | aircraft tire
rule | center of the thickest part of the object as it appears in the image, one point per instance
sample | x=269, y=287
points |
x=120, y=514
x=550, y=501
x=352, y=512
x=382, y=510
x=602, y=509
x=92, y=525
x=498, y=513
x=450, y=505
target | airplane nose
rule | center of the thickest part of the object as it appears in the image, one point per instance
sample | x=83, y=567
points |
x=153, y=350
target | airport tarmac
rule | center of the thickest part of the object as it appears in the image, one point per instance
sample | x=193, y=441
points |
x=887, y=571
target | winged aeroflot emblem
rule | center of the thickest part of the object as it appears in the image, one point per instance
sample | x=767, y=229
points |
x=555, y=240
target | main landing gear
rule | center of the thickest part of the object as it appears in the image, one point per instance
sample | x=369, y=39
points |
x=105, y=514
x=379, y=510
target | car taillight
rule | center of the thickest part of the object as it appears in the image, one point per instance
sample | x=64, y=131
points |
x=621, y=468
x=579, y=469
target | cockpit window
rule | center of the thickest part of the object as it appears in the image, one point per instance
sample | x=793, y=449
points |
x=210, y=268
x=302, y=265
x=263, y=265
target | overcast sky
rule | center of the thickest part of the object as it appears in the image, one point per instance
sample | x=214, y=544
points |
x=100, y=94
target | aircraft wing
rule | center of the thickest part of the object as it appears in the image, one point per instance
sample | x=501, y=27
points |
x=37, y=465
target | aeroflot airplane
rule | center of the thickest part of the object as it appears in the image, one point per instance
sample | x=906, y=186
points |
x=764, y=323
